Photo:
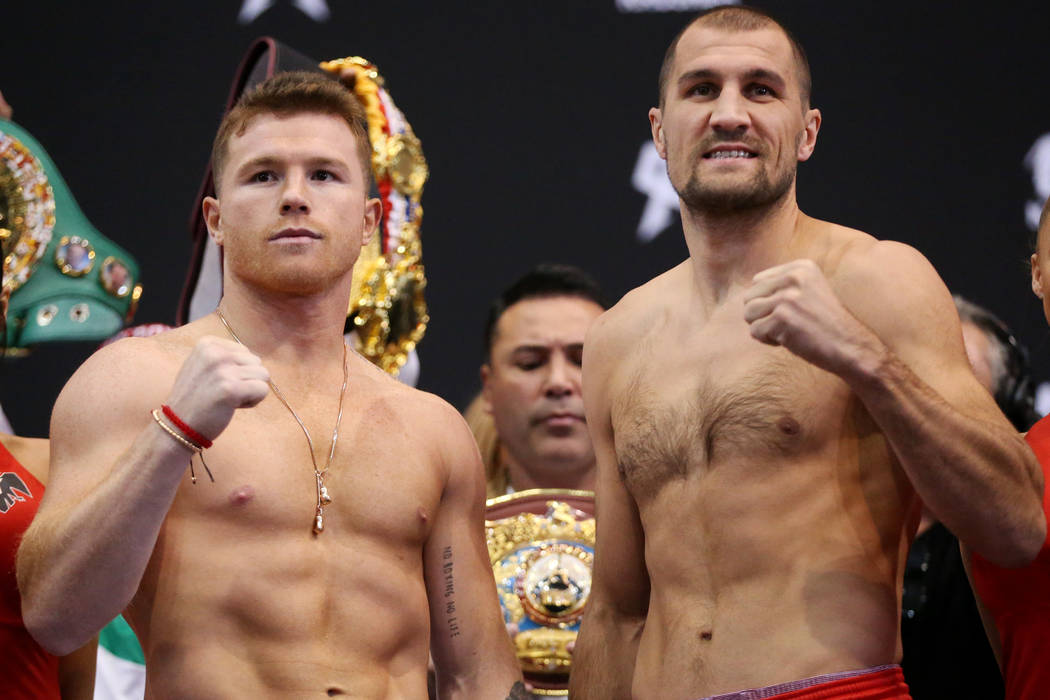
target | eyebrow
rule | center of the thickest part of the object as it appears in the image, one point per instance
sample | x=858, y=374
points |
x=760, y=74
x=532, y=347
x=269, y=161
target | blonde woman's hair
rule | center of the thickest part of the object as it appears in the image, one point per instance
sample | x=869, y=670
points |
x=484, y=429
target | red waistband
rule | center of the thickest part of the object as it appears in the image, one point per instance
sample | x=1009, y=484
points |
x=882, y=683
x=886, y=684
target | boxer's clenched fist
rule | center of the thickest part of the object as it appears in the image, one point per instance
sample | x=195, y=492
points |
x=217, y=378
x=794, y=306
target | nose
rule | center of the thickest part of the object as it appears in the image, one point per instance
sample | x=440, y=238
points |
x=563, y=378
x=729, y=112
x=293, y=196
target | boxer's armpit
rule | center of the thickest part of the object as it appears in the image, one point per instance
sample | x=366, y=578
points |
x=518, y=692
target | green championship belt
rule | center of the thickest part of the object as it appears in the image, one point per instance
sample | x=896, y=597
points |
x=67, y=280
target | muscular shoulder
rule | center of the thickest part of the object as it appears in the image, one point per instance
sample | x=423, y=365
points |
x=890, y=286
x=634, y=315
x=125, y=375
x=423, y=417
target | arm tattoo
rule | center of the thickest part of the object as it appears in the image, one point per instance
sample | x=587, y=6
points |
x=518, y=692
x=450, y=592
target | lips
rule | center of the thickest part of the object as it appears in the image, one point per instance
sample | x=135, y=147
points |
x=295, y=234
x=729, y=154
x=559, y=418
x=729, y=151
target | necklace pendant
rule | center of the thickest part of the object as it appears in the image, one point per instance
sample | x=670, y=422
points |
x=318, y=524
x=325, y=498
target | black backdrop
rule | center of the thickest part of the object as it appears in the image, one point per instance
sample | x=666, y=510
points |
x=532, y=116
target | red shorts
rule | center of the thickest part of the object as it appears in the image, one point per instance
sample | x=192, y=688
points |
x=882, y=683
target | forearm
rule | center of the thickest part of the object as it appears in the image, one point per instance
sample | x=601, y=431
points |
x=76, y=672
x=509, y=688
x=94, y=551
x=604, y=657
x=483, y=666
x=977, y=476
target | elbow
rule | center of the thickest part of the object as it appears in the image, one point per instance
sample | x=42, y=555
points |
x=1033, y=541
x=50, y=630
x=1021, y=545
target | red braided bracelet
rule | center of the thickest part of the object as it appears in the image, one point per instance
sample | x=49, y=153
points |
x=187, y=430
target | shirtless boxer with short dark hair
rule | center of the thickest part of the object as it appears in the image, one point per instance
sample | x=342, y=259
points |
x=316, y=565
x=768, y=414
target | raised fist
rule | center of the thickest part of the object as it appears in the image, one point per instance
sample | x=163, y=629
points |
x=794, y=306
x=217, y=378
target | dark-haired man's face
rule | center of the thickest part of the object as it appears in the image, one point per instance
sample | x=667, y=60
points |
x=532, y=384
x=733, y=127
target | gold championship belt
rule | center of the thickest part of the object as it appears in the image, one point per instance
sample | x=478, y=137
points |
x=541, y=547
x=387, y=313
x=387, y=308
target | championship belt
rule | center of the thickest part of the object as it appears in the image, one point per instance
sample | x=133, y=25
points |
x=68, y=281
x=387, y=312
x=541, y=547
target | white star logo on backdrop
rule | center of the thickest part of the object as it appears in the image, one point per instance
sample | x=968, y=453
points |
x=650, y=178
x=1038, y=161
x=317, y=10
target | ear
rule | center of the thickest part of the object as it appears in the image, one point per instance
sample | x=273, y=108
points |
x=656, y=123
x=808, y=142
x=1037, y=276
x=373, y=213
x=212, y=219
x=486, y=399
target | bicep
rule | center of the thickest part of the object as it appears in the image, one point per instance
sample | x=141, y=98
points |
x=920, y=326
x=464, y=610
x=95, y=420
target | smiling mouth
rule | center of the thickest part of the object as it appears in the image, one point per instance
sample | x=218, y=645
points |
x=719, y=155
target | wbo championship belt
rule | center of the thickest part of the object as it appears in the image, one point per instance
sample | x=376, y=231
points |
x=541, y=547
x=67, y=280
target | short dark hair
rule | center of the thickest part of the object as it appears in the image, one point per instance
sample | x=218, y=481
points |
x=740, y=18
x=544, y=280
x=1012, y=384
x=287, y=94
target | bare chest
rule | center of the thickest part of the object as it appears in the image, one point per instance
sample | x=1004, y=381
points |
x=379, y=484
x=718, y=400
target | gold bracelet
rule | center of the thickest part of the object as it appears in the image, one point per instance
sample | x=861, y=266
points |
x=170, y=431
x=197, y=449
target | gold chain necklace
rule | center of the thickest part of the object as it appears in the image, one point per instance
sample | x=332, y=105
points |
x=323, y=498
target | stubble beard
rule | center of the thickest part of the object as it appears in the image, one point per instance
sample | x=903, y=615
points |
x=731, y=196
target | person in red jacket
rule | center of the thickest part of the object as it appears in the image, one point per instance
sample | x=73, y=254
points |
x=1016, y=602
x=29, y=672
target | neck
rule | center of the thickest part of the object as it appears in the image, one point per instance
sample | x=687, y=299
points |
x=282, y=327
x=548, y=476
x=726, y=249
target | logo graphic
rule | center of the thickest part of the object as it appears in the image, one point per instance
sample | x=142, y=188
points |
x=317, y=10
x=650, y=178
x=12, y=489
x=1038, y=161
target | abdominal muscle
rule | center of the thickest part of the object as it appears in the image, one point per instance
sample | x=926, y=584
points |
x=763, y=573
x=223, y=612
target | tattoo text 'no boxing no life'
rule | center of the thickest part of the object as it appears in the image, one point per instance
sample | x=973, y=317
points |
x=450, y=592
